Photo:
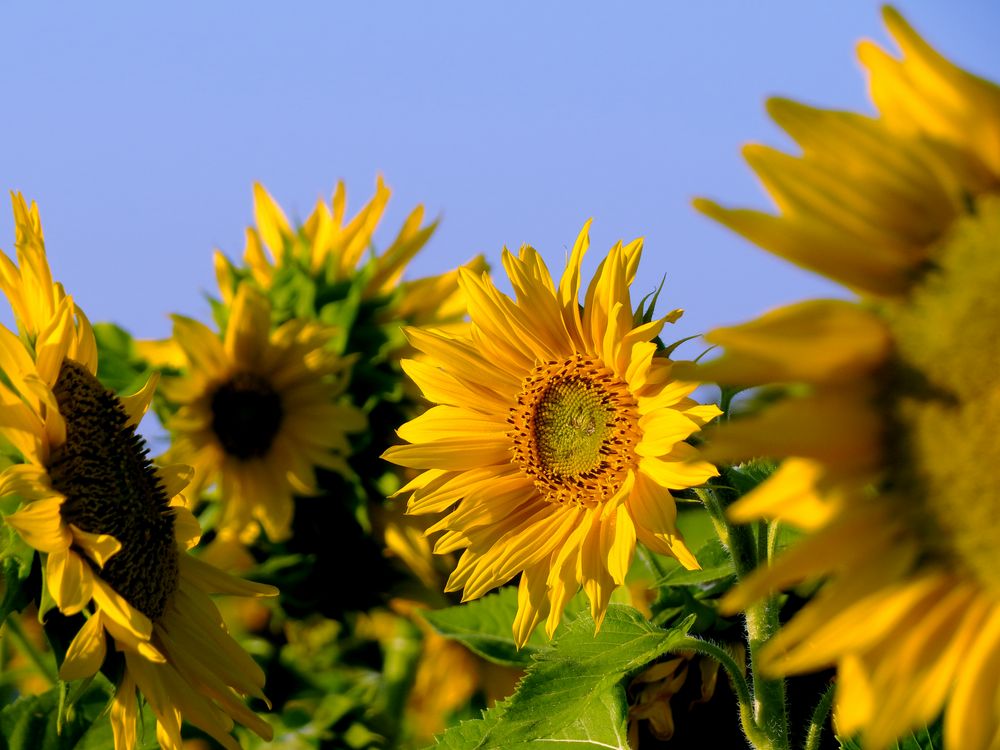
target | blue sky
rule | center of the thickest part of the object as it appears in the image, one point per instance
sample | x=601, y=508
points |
x=139, y=128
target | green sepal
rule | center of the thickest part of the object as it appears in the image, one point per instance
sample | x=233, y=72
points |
x=643, y=312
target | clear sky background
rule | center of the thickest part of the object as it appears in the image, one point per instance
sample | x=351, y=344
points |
x=140, y=128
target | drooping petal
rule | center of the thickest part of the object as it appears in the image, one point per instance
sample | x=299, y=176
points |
x=86, y=652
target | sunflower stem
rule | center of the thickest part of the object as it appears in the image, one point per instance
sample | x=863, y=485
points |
x=717, y=513
x=749, y=547
x=818, y=720
x=762, y=532
x=740, y=686
x=772, y=539
x=45, y=668
x=761, y=623
x=769, y=695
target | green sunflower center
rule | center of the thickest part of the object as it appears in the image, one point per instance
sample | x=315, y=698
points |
x=944, y=448
x=246, y=415
x=574, y=430
x=111, y=487
x=573, y=418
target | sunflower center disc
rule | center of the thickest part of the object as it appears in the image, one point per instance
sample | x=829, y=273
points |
x=246, y=415
x=574, y=430
x=572, y=421
x=111, y=487
x=944, y=442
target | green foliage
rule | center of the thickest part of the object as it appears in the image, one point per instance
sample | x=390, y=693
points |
x=484, y=627
x=572, y=696
x=928, y=738
x=118, y=365
x=716, y=566
x=16, y=562
x=32, y=722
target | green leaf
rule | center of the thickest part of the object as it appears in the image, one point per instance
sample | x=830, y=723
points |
x=572, y=695
x=929, y=738
x=31, y=723
x=484, y=626
x=118, y=366
x=16, y=559
x=716, y=565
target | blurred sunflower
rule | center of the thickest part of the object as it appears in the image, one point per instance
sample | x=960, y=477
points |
x=326, y=248
x=257, y=412
x=888, y=452
x=110, y=526
x=558, y=433
x=652, y=692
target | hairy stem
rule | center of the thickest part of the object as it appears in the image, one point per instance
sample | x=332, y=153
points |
x=818, y=720
x=740, y=686
x=750, y=548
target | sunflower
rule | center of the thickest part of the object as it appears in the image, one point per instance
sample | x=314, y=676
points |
x=258, y=413
x=558, y=432
x=890, y=436
x=110, y=526
x=327, y=248
x=653, y=690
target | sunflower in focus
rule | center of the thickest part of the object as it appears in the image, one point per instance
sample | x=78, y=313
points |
x=258, y=412
x=557, y=436
x=890, y=436
x=110, y=526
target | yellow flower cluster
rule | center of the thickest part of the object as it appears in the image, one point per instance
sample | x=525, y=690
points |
x=554, y=437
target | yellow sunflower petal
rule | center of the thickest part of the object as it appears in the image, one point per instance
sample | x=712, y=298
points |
x=211, y=580
x=69, y=580
x=99, y=547
x=839, y=427
x=271, y=221
x=532, y=604
x=40, y=524
x=821, y=341
x=790, y=495
x=248, y=329
x=86, y=652
x=187, y=530
x=124, y=714
x=118, y=611
x=136, y=405
x=812, y=246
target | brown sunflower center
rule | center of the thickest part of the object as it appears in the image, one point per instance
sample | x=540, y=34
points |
x=574, y=430
x=944, y=444
x=111, y=487
x=246, y=415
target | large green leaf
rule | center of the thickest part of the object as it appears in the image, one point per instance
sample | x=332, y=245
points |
x=571, y=696
x=484, y=626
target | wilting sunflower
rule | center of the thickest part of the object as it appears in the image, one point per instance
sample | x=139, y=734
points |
x=557, y=431
x=110, y=526
x=330, y=247
x=889, y=454
x=258, y=413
